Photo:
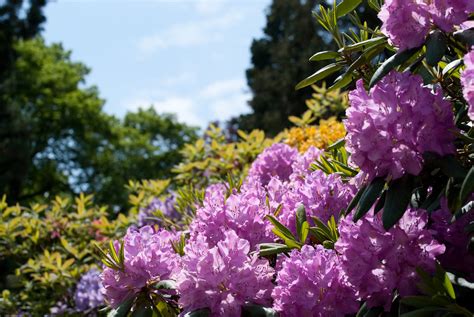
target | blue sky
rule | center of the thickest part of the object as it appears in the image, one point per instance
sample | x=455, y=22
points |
x=183, y=56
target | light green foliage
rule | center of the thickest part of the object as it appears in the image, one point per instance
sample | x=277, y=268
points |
x=44, y=249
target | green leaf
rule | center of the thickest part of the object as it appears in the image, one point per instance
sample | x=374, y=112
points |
x=123, y=309
x=435, y=47
x=422, y=312
x=465, y=36
x=346, y=6
x=204, y=312
x=355, y=200
x=324, y=55
x=451, y=167
x=448, y=286
x=280, y=227
x=467, y=186
x=394, y=61
x=449, y=68
x=397, y=200
x=320, y=74
x=418, y=301
x=368, y=198
x=143, y=311
x=300, y=220
x=272, y=248
x=367, y=43
x=342, y=81
x=258, y=311
x=380, y=202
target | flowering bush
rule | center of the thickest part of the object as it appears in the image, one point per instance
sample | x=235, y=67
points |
x=376, y=224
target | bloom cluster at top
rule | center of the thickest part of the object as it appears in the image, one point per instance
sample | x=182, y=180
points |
x=224, y=277
x=467, y=80
x=158, y=209
x=377, y=261
x=312, y=283
x=148, y=256
x=407, y=22
x=88, y=294
x=390, y=128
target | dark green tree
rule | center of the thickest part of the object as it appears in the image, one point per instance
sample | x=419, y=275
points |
x=61, y=141
x=280, y=61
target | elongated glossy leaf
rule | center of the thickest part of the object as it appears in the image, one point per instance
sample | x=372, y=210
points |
x=435, y=47
x=359, y=46
x=320, y=74
x=467, y=186
x=273, y=248
x=300, y=220
x=258, y=311
x=123, y=309
x=342, y=81
x=280, y=227
x=449, y=68
x=324, y=55
x=394, y=61
x=418, y=301
x=143, y=311
x=465, y=36
x=422, y=312
x=354, y=200
x=346, y=6
x=370, y=195
x=165, y=284
x=452, y=167
x=380, y=202
x=397, y=200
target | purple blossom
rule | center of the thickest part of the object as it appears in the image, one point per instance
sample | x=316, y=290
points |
x=243, y=212
x=274, y=161
x=390, y=128
x=405, y=22
x=88, y=294
x=454, y=236
x=149, y=256
x=311, y=283
x=301, y=165
x=448, y=13
x=377, y=262
x=322, y=195
x=467, y=80
x=158, y=209
x=224, y=277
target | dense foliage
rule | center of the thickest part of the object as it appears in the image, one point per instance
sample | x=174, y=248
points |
x=377, y=224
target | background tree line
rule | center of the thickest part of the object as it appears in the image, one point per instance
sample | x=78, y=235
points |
x=56, y=138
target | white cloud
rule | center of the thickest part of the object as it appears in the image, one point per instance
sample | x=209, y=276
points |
x=189, y=34
x=184, y=108
x=223, y=87
x=218, y=101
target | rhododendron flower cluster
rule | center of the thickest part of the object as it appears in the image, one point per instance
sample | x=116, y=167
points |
x=467, y=80
x=274, y=161
x=148, y=256
x=377, y=261
x=454, y=236
x=158, y=208
x=88, y=294
x=407, y=22
x=224, y=277
x=389, y=128
x=312, y=283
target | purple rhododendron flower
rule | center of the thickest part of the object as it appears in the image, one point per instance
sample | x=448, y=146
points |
x=274, y=161
x=164, y=208
x=149, y=256
x=377, y=262
x=311, y=283
x=390, y=128
x=322, y=195
x=405, y=22
x=453, y=235
x=88, y=294
x=224, y=277
x=448, y=13
x=467, y=80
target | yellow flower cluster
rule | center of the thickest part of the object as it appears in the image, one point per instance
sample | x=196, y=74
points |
x=321, y=136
